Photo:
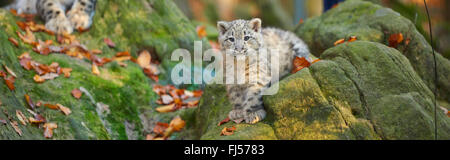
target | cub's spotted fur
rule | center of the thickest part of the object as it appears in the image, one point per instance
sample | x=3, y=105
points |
x=61, y=16
x=238, y=38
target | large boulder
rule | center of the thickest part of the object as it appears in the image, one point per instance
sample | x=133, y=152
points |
x=126, y=92
x=372, y=22
x=359, y=90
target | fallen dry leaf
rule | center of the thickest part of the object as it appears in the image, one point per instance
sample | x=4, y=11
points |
x=48, y=129
x=166, y=99
x=177, y=124
x=77, y=93
x=352, y=39
x=201, y=31
x=339, y=42
x=15, y=125
x=226, y=120
x=395, y=40
x=38, y=79
x=299, y=64
x=13, y=41
x=66, y=72
x=96, y=51
x=29, y=101
x=448, y=114
x=26, y=63
x=10, y=71
x=49, y=76
x=2, y=74
x=109, y=42
x=28, y=38
x=166, y=109
x=144, y=59
x=10, y=83
x=160, y=128
x=51, y=106
x=95, y=70
x=38, y=119
x=21, y=117
x=192, y=104
x=64, y=109
x=228, y=131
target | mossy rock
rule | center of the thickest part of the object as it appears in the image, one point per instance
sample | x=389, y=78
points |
x=372, y=22
x=133, y=26
x=361, y=90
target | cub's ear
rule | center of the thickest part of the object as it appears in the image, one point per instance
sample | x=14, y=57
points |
x=222, y=26
x=255, y=24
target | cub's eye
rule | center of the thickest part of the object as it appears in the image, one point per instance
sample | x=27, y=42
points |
x=231, y=39
x=246, y=38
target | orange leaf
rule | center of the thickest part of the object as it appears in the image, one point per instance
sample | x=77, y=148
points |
x=228, y=131
x=352, y=39
x=198, y=93
x=10, y=71
x=192, y=104
x=66, y=72
x=121, y=54
x=10, y=83
x=201, y=31
x=166, y=109
x=13, y=41
x=299, y=64
x=52, y=106
x=339, y=42
x=395, y=40
x=317, y=60
x=64, y=109
x=38, y=79
x=96, y=51
x=448, y=113
x=15, y=125
x=48, y=129
x=177, y=124
x=226, y=120
x=29, y=101
x=95, y=70
x=28, y=38
x=76, y=93
x=160, y=128
x=21, y=117
x=144, y=59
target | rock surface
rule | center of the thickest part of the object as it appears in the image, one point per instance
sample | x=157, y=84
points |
x=126, y=92
x=371, y=22
x=359, y=90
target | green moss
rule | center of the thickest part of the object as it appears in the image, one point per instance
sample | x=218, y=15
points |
x=132, y=25
x=371, y=22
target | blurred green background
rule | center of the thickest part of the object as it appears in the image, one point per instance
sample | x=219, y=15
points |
x=287, y=14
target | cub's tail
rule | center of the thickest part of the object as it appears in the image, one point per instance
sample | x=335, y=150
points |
x=298, y=46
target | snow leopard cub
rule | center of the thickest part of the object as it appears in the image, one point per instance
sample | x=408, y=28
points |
x=238, y=38
x=61, y=16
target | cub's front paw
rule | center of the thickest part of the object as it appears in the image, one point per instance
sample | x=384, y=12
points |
x=79, y=19
x=236, y=115
x=59, y=25
x=255, y=116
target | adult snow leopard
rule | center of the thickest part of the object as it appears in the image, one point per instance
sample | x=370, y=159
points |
x=61, y=16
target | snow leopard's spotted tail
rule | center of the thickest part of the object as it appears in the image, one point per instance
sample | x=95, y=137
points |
x=298, y=46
